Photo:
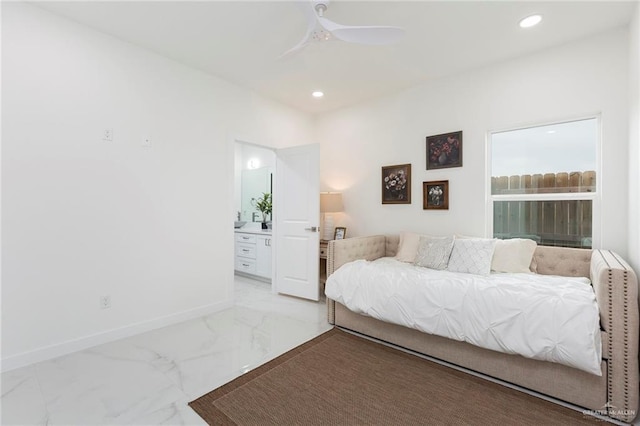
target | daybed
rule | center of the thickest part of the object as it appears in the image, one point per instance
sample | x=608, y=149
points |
x=615, y=393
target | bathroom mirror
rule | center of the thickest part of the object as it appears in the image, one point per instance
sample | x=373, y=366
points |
x=254, y=183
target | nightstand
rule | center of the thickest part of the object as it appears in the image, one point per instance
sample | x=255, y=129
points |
x=324, y=247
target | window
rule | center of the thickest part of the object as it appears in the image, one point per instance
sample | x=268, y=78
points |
x=544, y=183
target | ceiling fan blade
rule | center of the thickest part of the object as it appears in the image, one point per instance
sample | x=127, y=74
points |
x=310, y=15
x=295, y=48
x=363, y=34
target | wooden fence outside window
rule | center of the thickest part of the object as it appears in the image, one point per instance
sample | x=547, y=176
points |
x=566, y=223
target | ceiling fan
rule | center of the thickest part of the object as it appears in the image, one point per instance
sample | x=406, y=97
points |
x=321, y=29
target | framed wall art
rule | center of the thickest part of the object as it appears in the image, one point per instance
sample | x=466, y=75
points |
x=444, y=151
x=396, y=184
x=340, y=233
x=435, y=195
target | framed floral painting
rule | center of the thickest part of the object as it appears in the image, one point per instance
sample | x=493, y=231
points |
x=444, y=151
x=435, y=195
x=396, y=184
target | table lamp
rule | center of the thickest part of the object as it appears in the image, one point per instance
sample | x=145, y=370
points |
x=330, y=202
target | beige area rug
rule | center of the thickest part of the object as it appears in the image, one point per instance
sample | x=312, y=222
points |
x=341, y=379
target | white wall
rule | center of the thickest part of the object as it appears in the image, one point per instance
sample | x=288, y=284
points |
x=81, y=217
x=566, y=82
x=634, y=140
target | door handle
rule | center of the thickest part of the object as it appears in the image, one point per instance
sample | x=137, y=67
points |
x=312, y=229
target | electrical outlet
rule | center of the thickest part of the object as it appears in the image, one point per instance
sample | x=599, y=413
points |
x=105, y=302
x=107, y=135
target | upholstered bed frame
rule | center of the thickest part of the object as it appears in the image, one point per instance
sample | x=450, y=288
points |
x=614, y=394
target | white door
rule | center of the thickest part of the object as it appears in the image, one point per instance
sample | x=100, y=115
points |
x=297, y=215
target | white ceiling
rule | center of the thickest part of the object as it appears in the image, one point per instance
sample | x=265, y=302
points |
x=240, y=41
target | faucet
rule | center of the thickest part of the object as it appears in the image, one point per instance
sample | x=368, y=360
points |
x=238, y=216
x=255, y=215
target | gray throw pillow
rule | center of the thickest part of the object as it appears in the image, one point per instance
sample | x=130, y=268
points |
x=472, y=256
x=434, y=252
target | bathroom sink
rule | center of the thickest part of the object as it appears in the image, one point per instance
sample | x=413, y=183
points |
x=238, y=224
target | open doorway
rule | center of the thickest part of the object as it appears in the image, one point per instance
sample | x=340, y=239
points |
x=254, y=171
x=279, y=246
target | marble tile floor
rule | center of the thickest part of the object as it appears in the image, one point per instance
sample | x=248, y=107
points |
x=148, y=379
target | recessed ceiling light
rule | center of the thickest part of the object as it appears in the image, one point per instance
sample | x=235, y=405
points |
x=530, y=21
x=317, y=94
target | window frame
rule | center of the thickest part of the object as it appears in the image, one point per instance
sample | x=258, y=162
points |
x=594, y=197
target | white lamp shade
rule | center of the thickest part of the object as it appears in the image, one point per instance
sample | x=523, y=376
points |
x=331, y=202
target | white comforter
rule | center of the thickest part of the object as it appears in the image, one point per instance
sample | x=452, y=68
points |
x=543, y=317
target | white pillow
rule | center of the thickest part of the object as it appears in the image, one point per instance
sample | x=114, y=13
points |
x=513, y=255
x=408, y=246
x=472, y=255
x=434, y=252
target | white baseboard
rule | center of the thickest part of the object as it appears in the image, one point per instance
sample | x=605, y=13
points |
x=75, y=345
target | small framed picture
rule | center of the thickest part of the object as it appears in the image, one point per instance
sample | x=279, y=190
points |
x=444, y=151
x=435, y=195
x=340, y=233
x=396, y=184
